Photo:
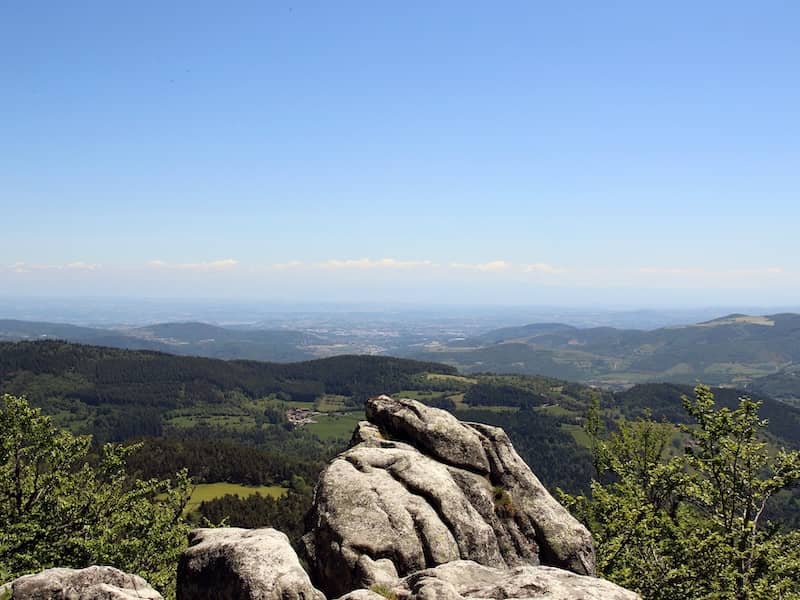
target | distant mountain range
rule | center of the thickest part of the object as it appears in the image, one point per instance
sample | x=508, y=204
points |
x=759, y=353
x=193, y=339
x=751, y=351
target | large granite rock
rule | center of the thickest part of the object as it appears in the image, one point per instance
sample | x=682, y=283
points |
x=467, y=580
x=92, y=583
x=418, y=488
x=242, y=564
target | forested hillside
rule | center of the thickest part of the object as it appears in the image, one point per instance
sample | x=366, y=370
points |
x=237, y=421
x=116, y=394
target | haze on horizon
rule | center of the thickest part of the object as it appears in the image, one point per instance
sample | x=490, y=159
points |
x=620, y=154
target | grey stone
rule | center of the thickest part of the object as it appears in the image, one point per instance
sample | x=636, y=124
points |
x=467, y=580
x=363, y=595
x=562, y=540
x=431, y=430
x=91, y=583
x=417, y=489
x=242, y=564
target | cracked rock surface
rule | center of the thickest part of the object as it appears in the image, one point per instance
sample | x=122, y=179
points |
x=467, y=580
x=418, y=488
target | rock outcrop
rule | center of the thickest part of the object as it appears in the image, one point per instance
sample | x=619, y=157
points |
x=420, y=507
x=467, y=580
x=92, y=583
x=242, y=564
x=418, y=489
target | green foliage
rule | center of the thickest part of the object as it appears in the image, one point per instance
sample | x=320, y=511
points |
x=692, y=525
x=490, y=394
x=61, y=506
x=664, y=400
x=211, y=460
x=384, y=591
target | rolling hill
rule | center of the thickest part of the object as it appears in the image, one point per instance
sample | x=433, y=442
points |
x=200, y=405
x=732, y=350
x=757, y=353
x=191, y=339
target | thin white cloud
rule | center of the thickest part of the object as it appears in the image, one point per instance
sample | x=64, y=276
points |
x=82, y=266
x=213, y=265
x=541, y=268
x=368, y=263
x=390, y=269
x=23, y=267
x=19, y=267
x=493, y=266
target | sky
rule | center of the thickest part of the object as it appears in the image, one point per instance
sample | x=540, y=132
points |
x=575, y=153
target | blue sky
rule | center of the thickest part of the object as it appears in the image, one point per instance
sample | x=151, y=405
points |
x=620, y=153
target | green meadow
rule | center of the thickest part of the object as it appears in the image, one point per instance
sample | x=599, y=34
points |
x=208, y=491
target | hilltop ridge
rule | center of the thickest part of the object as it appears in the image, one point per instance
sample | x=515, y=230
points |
x=734, y=350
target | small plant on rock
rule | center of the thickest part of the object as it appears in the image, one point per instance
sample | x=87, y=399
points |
x=383, y=590
x=503, y=505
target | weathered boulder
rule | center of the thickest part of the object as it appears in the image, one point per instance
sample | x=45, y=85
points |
x=434, y=431
x=91, y=583
x=467, y=580
x=418, y=488
x=242, y=564
x=363, y=595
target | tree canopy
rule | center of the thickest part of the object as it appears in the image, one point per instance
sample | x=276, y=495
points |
x=675, y=524
x=61, y=504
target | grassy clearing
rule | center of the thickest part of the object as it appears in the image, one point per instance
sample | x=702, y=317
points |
x=272, y=401
x=458, y=400
x=490, y=408
x=335, y=426
x=208, y=491
x=622, y=378
x=678, y=369
x=743, y=319
x=557, y=411
x=578, y=434
x=230, y=423
x=330, y=403
x=734, y=369
x=443, y=377
x=417, y=394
